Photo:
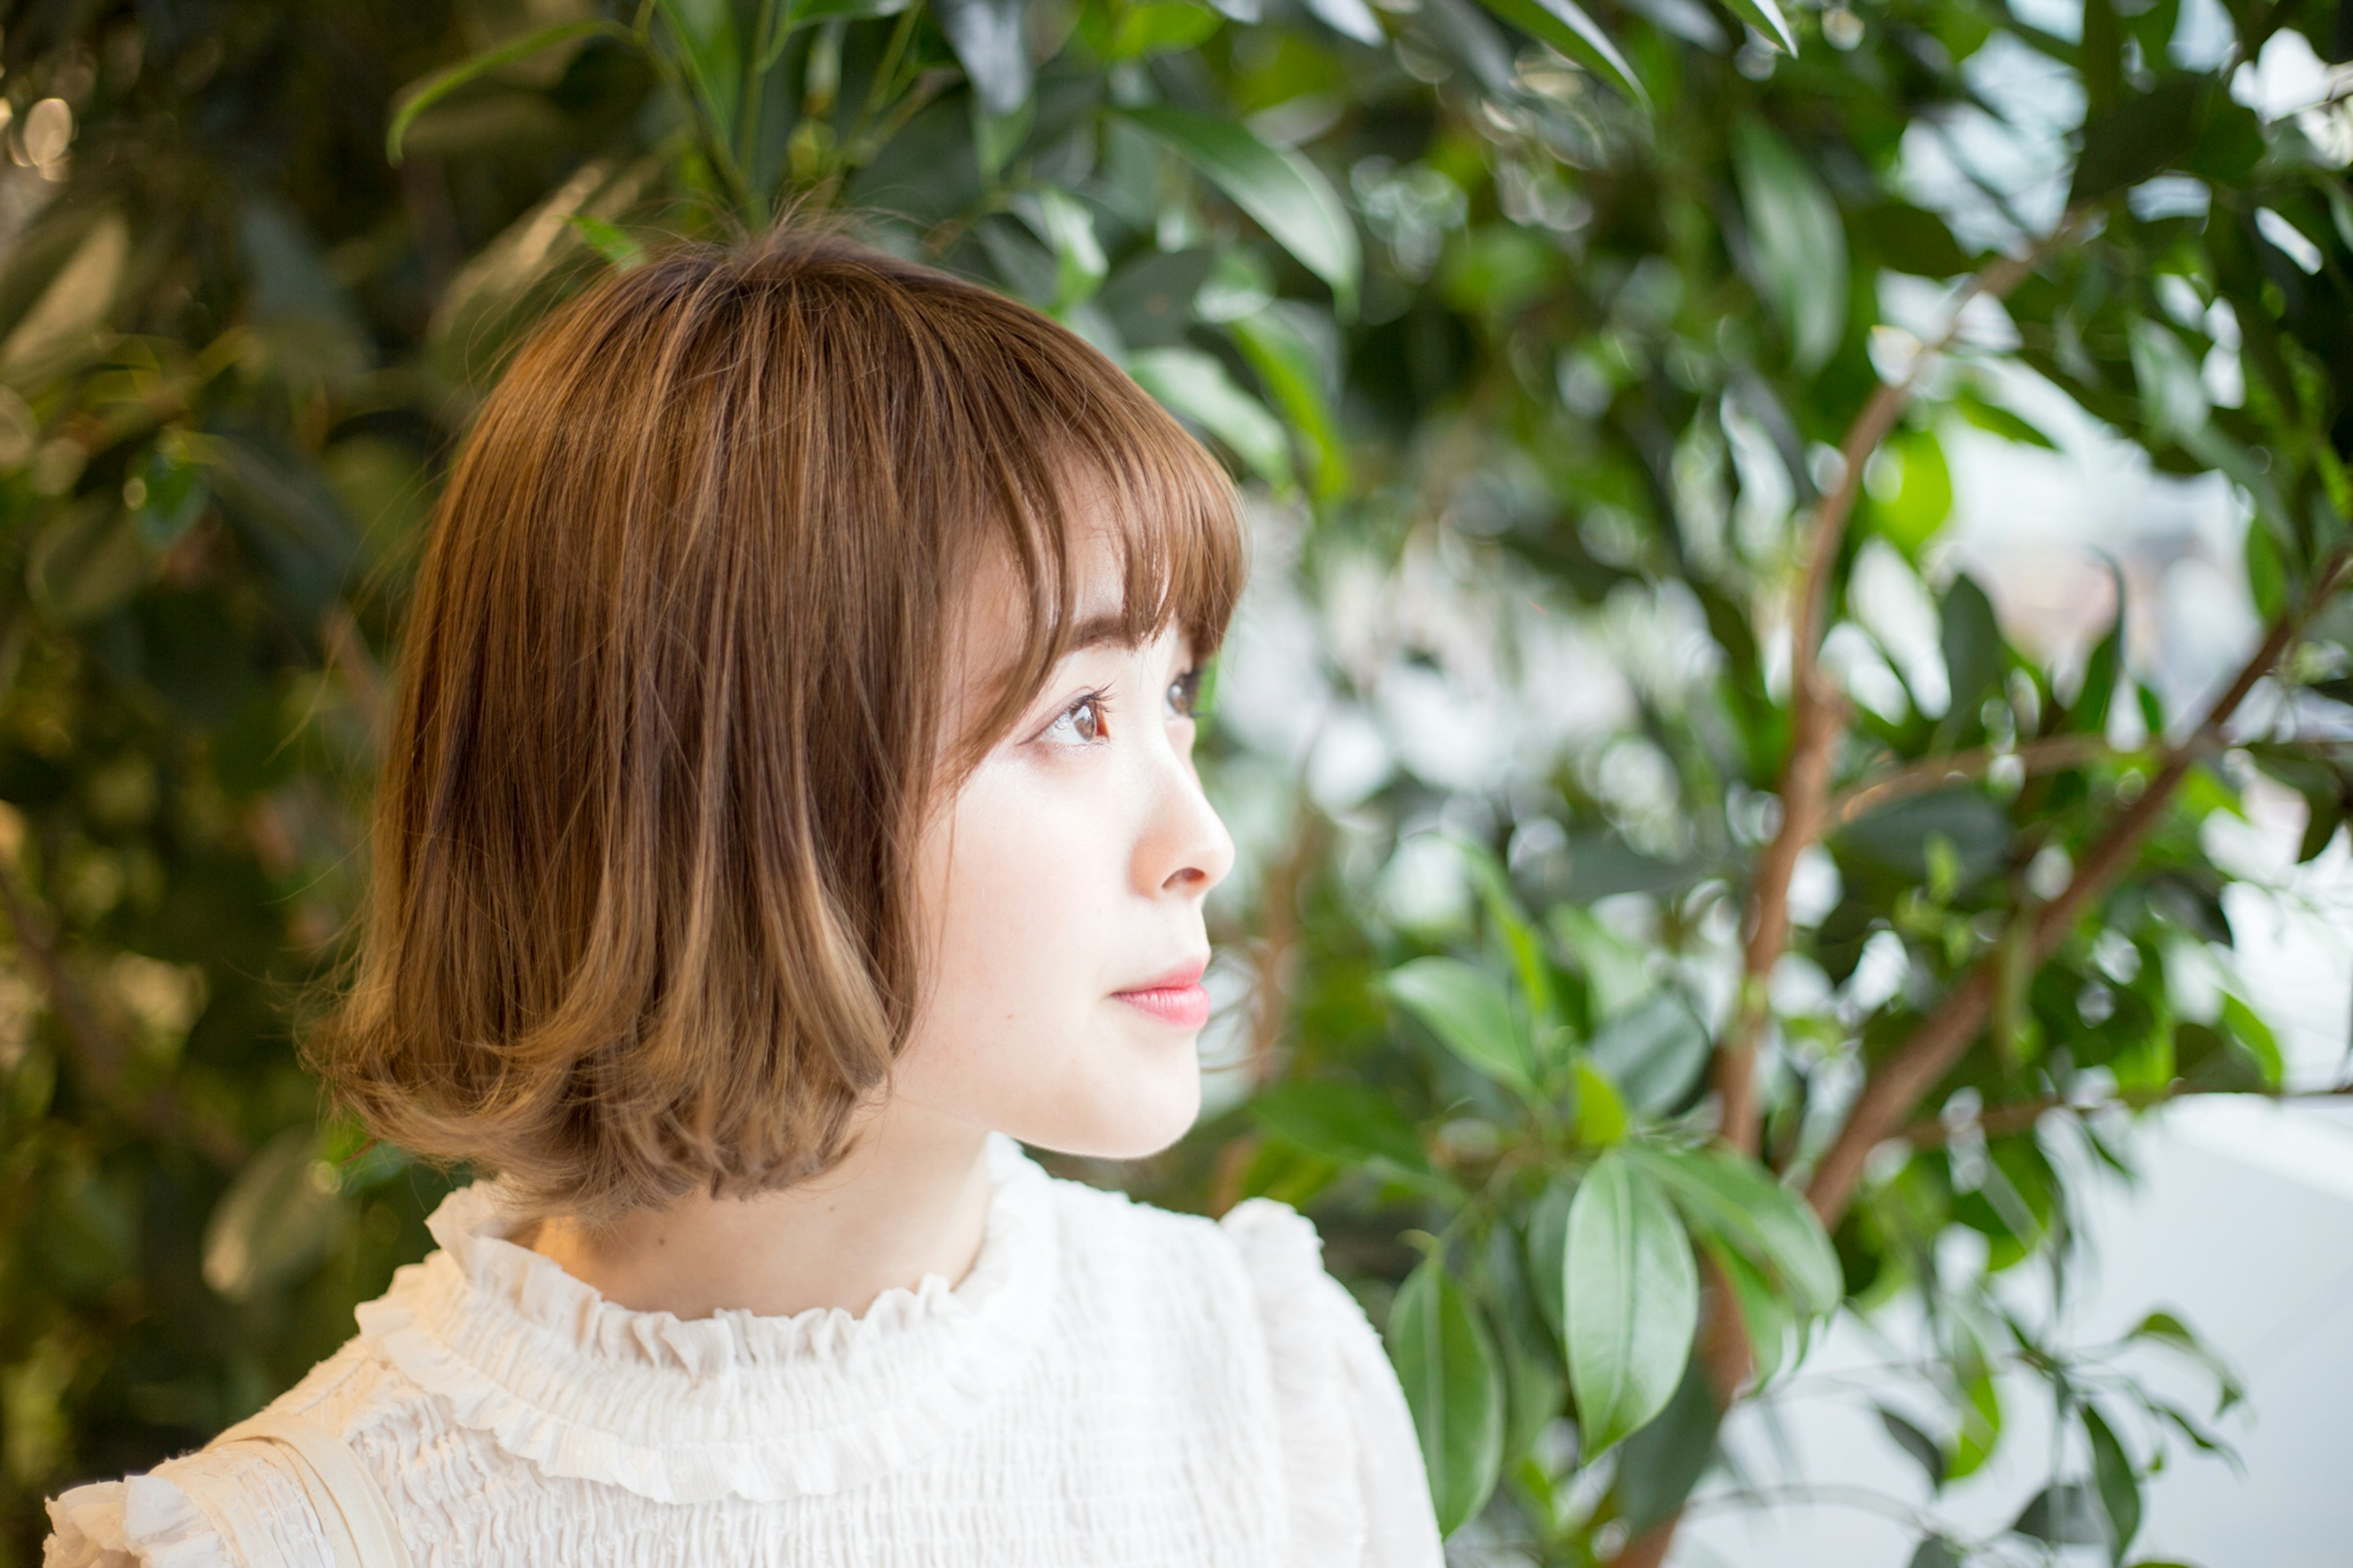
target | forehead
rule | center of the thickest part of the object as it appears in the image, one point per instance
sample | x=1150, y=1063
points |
x=1132, y=559
x=996, y=617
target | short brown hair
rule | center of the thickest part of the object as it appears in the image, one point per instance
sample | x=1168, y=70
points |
x=671, y=705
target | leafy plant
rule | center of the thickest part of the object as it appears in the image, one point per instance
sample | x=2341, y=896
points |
x=1589, y=310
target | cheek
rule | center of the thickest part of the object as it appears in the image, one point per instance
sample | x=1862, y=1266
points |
x=1030, y=923
x=1025, y=897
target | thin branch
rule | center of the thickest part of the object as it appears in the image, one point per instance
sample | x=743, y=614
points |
x=1817, y=718
x=1888, y=1096
x=2054, y=753
x=1931, y=1132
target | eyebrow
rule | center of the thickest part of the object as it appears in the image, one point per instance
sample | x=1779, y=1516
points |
x=1097, y=631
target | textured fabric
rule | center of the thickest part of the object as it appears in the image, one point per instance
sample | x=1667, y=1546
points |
x=1111, y=1384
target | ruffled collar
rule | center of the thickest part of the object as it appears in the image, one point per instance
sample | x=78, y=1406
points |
x=687, y=1410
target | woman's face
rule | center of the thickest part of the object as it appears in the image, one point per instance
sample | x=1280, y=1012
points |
x=1059, y=897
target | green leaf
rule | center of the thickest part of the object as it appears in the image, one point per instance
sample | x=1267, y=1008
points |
x=2172, y=393
x=169, y=494
x=2001, y=422
x=1971, y=640
x=2266, y=572
x=2064, y=1513
x=1547, y=1248
x=1281, y=190
x=1511, y=929
x=1981, y=1427
x=1911, y=239
x=1446, y=1365
x=1617, y=972
x=1153, y=27
x=808, y=11
x=428, y=91
x=1195, y=384
x=1767, y=18
x=1342, y=1118
x=1763, y=1313
x=1601, y=1118
x=2100, y=53
x=1922, y=1448
x=609, y=240
x=1727, y=1194
x=1290, y=367
x=2118, y=1482
x=2141, y=137
x=1659, y=1464
x=2324, y=815
x=1535, y=1387
x=1654, y=1051
x=2228, y=142
x=1632, y=1301
x=1350, y=19
x=2088, y=713
x=1469, y=1011
x=1896, y=836
x=1067, y=227
x=2256, y=1036
x=280, y=1215
x=704, y=37
x=989, y=42
x=1921, y=499
x=276, y=496
x=2211, y=1061
x=1150, y=295
x=995, y=138
x=86, y=560
x=1935, y=1552
x=1565, y=26
x=1796, y=243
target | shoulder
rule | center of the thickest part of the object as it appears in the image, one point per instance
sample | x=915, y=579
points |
x=1255, y=1272
x=1340, y=1395
x=1359, y=1492
x=225, y=1505
x=1261, y=1260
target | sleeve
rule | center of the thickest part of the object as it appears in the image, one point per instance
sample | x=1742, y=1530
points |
x=216, y=1508
x=1402, y=1517
x=1360, y=1495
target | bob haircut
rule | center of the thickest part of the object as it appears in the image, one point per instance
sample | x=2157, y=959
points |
x=671, y=696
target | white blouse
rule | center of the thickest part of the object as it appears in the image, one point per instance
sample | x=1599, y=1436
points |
x=1111, y=1383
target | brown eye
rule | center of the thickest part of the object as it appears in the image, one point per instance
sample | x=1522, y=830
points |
x=1083, y=720
x=1185, y=693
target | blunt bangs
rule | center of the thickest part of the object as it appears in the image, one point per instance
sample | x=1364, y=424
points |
x=669, y=698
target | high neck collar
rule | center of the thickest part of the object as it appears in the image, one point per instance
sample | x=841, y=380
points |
x=682, y=1409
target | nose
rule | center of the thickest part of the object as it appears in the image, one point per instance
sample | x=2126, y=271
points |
x=1185, y=847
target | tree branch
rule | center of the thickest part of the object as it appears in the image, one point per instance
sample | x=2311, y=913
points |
x=1816, y=716
x=2052, y=754
x=1816, y=723
x=1931, y=1131
x=1904, y=1080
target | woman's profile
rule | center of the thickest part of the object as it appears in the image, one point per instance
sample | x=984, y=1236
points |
x=788, y=815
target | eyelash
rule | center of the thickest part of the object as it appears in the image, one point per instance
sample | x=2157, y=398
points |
x=1189, y=681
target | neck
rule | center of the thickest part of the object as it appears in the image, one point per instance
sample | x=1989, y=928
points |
x=912, y=1199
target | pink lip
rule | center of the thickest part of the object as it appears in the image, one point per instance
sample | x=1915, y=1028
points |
x=1177, y=997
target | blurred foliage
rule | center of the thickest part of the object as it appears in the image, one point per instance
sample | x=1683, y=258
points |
x=1563, y=314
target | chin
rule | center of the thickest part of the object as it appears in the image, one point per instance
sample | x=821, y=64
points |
x=1147, y=1117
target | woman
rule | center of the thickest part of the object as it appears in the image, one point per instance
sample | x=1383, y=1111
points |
x=790, y=814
